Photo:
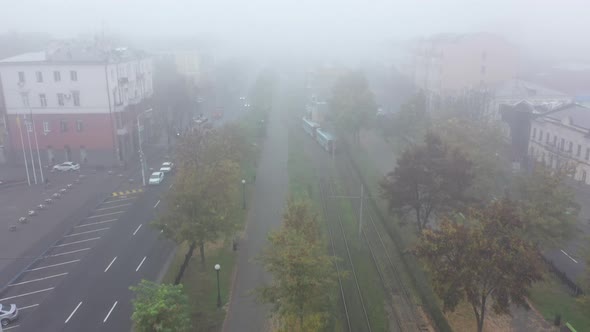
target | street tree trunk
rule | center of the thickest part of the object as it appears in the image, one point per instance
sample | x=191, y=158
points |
x=202, y=251
x=185, y=263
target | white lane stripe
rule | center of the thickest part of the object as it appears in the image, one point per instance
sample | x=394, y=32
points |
x=111, y=263
x=105, y=214
x=96, y=223
x=112, y=308
x=66, y=253
x=138, y=227
x=568, y=256
x=27, y=307
x=73, y=312
x=10, y=328
x=158, y=202
x=87, y=232
x=39, y=279
x=25, y=294
x=140, y=264
x=161, y=231
x=113, y=207
x=69, y=243
x=53, y=265
x=119, y=200
x=171, y=186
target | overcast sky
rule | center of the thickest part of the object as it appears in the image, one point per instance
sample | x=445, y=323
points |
x=297, y=25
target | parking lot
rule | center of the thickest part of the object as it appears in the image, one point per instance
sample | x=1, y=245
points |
x=40, y=278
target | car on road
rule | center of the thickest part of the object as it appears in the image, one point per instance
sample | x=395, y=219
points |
x=67, y=166
x=156, y=178
x=8, y=314
x=201, y=120
x=167, y=167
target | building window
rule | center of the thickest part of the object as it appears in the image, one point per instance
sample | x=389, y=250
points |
x=21, y=77
x=562, y=144
x=43, y=100
x=583, y=178
x=555, y=140
x=63, y=126
x=534, y=132
x=540, y=135
x=57, y=76
x=79, y=125
x=76, y=97
x=570, y=147
x=60, y=99
x=547, y=137
x=587, y=153
x=73, y=75
x=25, y=99
x=579, y=150
x=39, y=77
x=46, y=127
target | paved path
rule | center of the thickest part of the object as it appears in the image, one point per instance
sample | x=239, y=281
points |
x=265, y=213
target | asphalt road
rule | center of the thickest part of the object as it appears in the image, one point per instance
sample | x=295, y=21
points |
x=83, y=282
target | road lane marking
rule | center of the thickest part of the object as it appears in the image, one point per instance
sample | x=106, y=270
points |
x=66, y=253
x=111, y=263
x=25, y=294
x=140, y=264
x=39, y=279
x=69, y=243
x=112, y=308
x=96, y=223
x=119, y=200
x=27, y=307
x=171, y=186
x=10, y=328
x=161, y=231
x=158, y=202
x=73, y=312
x=87, y=232
x=138, y=227
x=53, y=265
x=568, y=256
x=113, y=207
x=105, y=214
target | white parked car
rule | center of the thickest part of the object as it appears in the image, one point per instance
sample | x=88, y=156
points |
x=167, y=167
x=67, y=166
x=8, y=314
x=156, y=178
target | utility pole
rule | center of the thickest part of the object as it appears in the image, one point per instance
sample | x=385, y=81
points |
x=141, y=157
x=22, y=141
x=29, y=125
x=36, y=141
x=361, y=211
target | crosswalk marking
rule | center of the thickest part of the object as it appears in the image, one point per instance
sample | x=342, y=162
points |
x=127, y=192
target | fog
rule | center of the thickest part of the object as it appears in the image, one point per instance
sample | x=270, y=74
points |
x=310, y=28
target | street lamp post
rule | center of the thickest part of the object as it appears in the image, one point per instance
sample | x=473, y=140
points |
x=141, y=155
x=217, y=268
x=243, y=193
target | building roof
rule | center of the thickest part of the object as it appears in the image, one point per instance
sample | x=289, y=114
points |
x=573, y=114
x=524, y=90
x=26, y=57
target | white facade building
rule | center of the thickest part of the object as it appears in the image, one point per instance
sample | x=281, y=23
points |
x=562, y=137
x=79, y=99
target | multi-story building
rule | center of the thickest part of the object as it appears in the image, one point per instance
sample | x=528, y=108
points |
x=562, y=137
x=81, y=102
x=449, y=64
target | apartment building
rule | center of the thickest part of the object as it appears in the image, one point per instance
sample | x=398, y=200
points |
x=561, y=137
x=82, y=102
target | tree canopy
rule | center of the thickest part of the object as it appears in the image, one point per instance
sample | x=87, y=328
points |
x=160, y=308
x=484, y=261
x=352, y=104
x=302, y=273
x=428, y=177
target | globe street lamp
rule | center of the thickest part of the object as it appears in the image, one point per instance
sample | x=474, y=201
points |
x=217, y=268
x=243, y=194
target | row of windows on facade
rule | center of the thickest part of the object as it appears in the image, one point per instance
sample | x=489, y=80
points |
x=561, y=143
x=556, y=163
x=56, y=76
x=63, y=126
x=61, y=99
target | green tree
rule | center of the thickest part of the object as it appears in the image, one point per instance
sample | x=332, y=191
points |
x=484, y=262
x=484, y=144
x=548, y=206
x=302, y=273
x=160, y=308
x=352, y=104
x=205, y=191
x=411, y=122
x=428, y=178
